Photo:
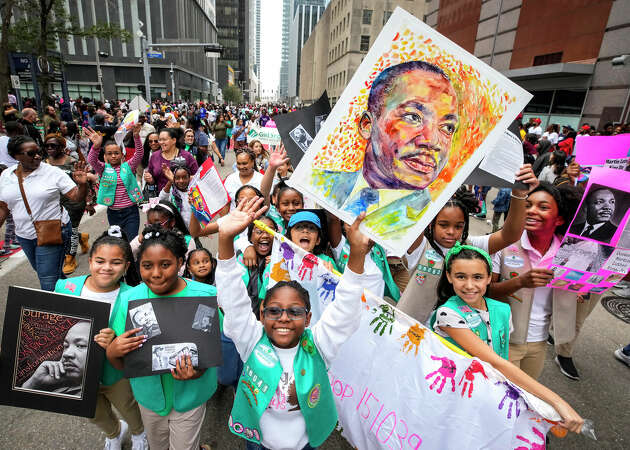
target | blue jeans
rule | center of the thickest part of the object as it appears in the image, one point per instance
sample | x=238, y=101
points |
x=47, y=260
x=127, y=218
x=249, y=445
x=229, y=373
x=221, y=145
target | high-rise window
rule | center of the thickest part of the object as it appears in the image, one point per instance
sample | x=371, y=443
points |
x=386, y=16
x=365, y=43
x=367, y=16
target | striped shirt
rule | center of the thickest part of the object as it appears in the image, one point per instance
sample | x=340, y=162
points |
x=121, y=198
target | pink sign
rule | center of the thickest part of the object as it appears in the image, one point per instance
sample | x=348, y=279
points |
x=595, y=150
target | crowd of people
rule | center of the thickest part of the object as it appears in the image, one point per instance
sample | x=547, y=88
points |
x=58, y=169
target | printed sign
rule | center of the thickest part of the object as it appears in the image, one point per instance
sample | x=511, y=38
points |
x=130, y=120
x=266, y=135
x=595, y=150
x=207, y=194
x=418, y=116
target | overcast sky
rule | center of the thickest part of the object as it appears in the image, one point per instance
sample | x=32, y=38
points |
x=271, y=43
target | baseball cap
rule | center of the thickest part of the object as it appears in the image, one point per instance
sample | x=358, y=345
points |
x=305, y=216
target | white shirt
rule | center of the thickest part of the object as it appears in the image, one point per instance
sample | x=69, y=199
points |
x=105, y=297
x=186, y=210
x=551, y=137
x=540, y=315
x=5, y=158
x=43, y=188
x=233, y=183
x=536, y=130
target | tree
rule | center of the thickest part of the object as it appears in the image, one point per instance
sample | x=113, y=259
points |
x=7, y=12
x=232, y=94
x=39, y=24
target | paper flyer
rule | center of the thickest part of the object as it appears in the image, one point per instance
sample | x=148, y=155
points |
x=207, y=194
x=126, y=125
x=595, y=252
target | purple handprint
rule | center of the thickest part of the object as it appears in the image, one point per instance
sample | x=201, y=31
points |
x=287, y=253
x=448, y=370
x=513, y=395
x=533, y=445
x=308, y=262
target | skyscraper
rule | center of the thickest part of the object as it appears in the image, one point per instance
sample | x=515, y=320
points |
x=287, y=14
x=233, y=26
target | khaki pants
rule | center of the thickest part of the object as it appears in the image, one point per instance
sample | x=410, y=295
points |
x=529, y=357
x=584, y=309
x=118, y=394
x=175, y=431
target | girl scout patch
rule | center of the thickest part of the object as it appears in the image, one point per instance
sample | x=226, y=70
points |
x=514, y=261
x=420, y=278
x=313, y=396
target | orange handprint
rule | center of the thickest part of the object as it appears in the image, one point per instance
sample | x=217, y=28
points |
x=413, y=336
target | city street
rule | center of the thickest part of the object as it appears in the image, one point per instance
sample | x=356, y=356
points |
x=602, y=395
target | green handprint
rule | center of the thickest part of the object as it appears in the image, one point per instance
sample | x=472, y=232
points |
x=385, y=318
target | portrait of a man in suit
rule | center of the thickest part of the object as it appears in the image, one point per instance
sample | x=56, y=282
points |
x=600, y=205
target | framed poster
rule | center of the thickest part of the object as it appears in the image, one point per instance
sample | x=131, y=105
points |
x=174, y=328
x=49, y=358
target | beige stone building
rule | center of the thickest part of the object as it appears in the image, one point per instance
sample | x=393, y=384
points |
x=341, y=40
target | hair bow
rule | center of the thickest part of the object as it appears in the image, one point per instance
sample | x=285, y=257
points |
x=458, y=247
x=152, y=203
x=115, y=231
x=151, y=234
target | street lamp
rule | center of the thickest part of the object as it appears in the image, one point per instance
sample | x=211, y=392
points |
x=99, y=72
x=145, y=61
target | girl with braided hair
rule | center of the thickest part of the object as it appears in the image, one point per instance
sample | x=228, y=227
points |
x=426, y=256
x=176, y=188
x=172, y=405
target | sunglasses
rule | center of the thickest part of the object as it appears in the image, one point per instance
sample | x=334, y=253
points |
x=51, y=145
x=153, y=141
x=293, y=312
x=32, y=153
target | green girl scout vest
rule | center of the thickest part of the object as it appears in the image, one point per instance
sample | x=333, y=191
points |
x=109, y=180
x=379, y=257
x=74, y=286
x=418, y=300
x=257, y=386
x=499, y=322
x=274, y=215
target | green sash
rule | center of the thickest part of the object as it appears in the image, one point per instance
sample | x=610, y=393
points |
x=109, y=180
x=258, y=383
x=499, y=322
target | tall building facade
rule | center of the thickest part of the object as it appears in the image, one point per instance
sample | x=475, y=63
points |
x=339, y=42
x=305, y=18
x=234, y=27
x=562, y=51
x=194, y=75
x=287, y=13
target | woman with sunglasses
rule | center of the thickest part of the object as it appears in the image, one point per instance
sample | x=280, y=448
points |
x=55, y=152
x=46, y=184
x=246, y=173
x=168, y=151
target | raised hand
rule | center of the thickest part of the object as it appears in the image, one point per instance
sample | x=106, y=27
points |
x=80, y=172
x=278, y=157
x=239, y=219
x=526, y=175
x=95, y=137
x=136, y=129
x=167, y=172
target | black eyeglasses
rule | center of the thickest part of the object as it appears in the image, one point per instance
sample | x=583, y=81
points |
x=153, y=141
x=32, y=153
x=293, y=312
x=51, y=145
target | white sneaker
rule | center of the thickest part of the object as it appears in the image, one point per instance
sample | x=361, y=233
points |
x=139, y=441
x=116, y=443
x=621, y=356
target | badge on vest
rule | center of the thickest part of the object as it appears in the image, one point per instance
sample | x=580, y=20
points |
x=514, y=261
x=420, y=278
x=238, y=428
x=313, y=396
x=429, y=270
x=265, y=355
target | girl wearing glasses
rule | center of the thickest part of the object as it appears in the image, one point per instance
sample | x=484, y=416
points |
x=293, y=407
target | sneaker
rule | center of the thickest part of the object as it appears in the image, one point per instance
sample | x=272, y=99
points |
x=567, y=367
x=621, y=356
x=139, y=441
x=116, y=443
x=15, y=246
x=5, y=252
x=550, y=341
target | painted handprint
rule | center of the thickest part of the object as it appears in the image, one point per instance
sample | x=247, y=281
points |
x=512, y=395
x=448, y=370
x=412, y=338
x=532, y=445
x=308, y=262
x=328, y=287
x=287, y=254
x=382, y=320
x=279, y=273
x=469, y=376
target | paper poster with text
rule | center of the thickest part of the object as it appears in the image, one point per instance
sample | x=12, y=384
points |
x=207, y=194
x=418, y=116
x=595, y=252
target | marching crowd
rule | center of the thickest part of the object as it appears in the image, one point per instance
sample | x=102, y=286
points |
x=466, y=288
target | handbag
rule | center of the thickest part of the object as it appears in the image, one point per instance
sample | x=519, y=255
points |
x=48, y=231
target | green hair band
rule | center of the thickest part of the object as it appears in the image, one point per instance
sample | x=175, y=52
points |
x=458, y=247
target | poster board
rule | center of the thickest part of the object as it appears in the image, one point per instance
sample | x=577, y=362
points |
x=47, y=333
x=595, y=252
x=419, y=114
x=266, y=135
x=175, y=327
x=596, y=150
x=130, y=120
x=207, y=194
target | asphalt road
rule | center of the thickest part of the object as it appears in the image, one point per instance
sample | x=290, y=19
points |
x=603, y=394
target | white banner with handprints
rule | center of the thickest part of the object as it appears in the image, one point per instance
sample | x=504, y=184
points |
x=398, y=385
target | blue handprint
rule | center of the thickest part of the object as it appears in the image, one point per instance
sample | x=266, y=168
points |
x=328, y=287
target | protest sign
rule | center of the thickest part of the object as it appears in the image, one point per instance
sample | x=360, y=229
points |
x=417, y=117
x=207, y=194
x=595, y=150
x=175, y=327
x=298, y=128
x=595, y=253
x=130, y=120
x=45, y=332
x=266, y=135
x=398, y=385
